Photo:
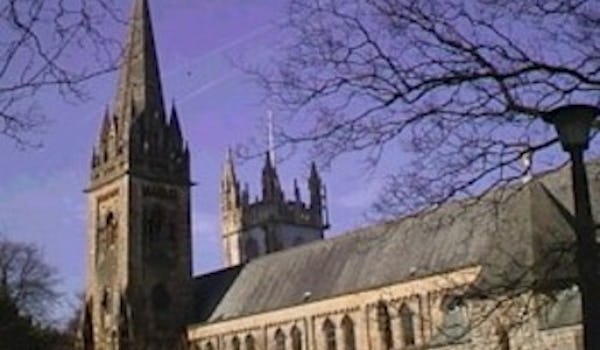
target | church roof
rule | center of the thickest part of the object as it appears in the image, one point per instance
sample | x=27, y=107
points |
x=498, y=232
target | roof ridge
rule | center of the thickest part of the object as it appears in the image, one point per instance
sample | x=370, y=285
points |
x=373, y=228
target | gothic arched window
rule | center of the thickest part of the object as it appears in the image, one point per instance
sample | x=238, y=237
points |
x=407, y=325
x=385, y=327
x=249, y=342
x=109, y=230
x=110, y=219
x=349, y=336
x=235, y=343
x=279, y=340
x=455, y=322
x=329, y=335
x=296, y=336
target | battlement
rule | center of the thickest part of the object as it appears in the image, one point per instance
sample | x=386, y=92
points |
x=272, y=222
x=293, y=212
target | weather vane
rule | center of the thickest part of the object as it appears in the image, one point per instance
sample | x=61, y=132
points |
x=270, y=138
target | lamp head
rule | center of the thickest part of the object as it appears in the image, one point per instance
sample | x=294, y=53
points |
x=573, y=124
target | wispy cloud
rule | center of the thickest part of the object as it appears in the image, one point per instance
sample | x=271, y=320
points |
x=207, y=86
x=218, y=50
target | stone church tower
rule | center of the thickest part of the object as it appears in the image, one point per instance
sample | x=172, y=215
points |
x=139, y=241
x=271, y=223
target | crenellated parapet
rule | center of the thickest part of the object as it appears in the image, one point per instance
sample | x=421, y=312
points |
x=293, y=212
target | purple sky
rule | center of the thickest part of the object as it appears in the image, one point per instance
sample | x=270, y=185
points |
x=41, y=198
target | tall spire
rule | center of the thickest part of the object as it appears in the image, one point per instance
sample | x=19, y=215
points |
x=141, y=137
x=139, y=79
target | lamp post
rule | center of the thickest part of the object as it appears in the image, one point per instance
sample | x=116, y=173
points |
x=573, y=124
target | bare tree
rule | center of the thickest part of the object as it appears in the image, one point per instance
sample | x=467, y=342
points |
x=449, y=91
x=452, y=90
x=28, y=280
x=51, y=46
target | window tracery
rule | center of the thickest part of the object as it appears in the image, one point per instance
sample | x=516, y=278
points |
x=110, y=227
x=296, y=336
x=106, y=233
x=329, y=335
x=235, y=343
x=349, y=336
x=407, y=325
x=385, y=327
x=279, y=340
x=249, y=342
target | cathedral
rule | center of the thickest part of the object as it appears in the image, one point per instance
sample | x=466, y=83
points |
x=489, y=273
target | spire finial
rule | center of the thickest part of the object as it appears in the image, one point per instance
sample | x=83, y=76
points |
x=174, y=119
x=229, y=168
x=270, y=138
x=229, y=155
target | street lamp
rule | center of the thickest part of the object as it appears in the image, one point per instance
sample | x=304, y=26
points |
x=573, y=124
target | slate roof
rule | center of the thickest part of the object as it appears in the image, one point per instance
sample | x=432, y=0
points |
x=508, y=232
